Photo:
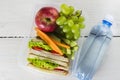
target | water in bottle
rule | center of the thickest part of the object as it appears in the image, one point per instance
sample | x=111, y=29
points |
x=93, y=49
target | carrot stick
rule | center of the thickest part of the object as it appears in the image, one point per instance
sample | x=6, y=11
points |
x=60, y=44
x=46, y=38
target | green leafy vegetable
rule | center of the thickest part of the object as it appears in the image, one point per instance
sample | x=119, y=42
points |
x=45, y=64
x=39, y=44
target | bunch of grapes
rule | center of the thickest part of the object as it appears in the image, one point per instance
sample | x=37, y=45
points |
x=70, y=22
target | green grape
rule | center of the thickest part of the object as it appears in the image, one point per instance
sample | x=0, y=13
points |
x=76, y=35
x=69, y=35
x=81, y=19
x=70, y=22
x=61, y=14
x=74, y=18
x=78, y=13
x=65, y=23
x=61, y=20
x=66, y=28
x=65, y=9
x=75, y=28
x=81, y=25
x=71, y=9
x=73, y=43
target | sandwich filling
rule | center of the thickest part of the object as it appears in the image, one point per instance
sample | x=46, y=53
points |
x=45, y=64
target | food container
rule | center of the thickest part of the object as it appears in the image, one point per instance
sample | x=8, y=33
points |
x=22, y=57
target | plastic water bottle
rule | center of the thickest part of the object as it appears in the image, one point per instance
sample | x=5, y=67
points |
x=93, y=49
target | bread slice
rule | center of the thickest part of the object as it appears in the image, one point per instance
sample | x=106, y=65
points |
x=60, y=72
x=49, y=55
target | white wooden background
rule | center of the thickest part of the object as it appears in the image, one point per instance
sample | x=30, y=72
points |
x=16, y=17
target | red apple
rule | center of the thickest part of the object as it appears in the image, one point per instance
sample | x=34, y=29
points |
x=46, y=19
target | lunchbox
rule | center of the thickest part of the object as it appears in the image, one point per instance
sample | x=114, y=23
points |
x=24, y=50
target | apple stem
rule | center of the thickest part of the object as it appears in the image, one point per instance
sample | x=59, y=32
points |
x=48, y=19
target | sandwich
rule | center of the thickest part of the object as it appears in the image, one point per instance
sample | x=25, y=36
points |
x=43, y=57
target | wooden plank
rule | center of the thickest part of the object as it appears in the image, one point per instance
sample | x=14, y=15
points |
x=17, y=19
x=9, y=49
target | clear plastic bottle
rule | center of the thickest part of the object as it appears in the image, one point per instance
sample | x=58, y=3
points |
x=93, y=49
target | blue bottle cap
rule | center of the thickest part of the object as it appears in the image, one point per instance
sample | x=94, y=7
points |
x=108, y=20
